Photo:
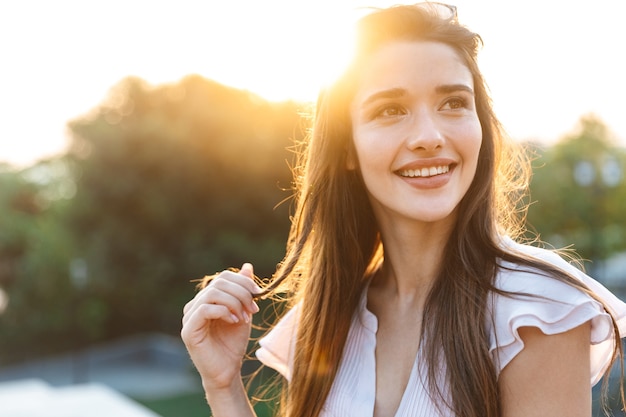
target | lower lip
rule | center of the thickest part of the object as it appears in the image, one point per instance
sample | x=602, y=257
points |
x=428, y=183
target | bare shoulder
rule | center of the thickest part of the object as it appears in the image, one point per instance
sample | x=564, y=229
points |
x=550, y=376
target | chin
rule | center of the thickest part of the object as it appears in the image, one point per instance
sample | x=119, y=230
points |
x=436, y=217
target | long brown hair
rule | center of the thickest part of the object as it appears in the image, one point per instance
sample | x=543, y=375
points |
x=335, y=244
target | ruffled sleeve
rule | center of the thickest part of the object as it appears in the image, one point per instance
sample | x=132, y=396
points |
x=277, y=346
x=553, y=307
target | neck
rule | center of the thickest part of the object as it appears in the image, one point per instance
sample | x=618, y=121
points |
x=412, y=261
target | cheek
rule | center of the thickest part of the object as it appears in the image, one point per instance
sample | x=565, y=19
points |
x=472, y=144
x=370, y=153
x=372, y=144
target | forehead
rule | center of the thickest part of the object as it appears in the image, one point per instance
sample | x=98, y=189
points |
x=419, y=65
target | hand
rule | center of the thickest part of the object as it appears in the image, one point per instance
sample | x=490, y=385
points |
x=216, y=327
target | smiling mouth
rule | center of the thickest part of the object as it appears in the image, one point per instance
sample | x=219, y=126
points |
x=425, y=172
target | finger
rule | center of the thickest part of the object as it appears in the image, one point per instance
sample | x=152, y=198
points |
x=195, y=326
x=245, y=281
x=199, y=297
x=191, y=303
x=228, y=294
x=223, y=305
x=248, y=270
x=239, y=284
x=251, y=286
x=239, y=287
x=245, y=278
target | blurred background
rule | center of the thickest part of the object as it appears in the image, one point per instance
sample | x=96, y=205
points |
x=147, y=144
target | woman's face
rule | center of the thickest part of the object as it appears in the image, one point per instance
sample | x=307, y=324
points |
x=416, y=132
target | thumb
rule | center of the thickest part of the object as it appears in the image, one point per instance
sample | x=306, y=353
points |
x=247, y=270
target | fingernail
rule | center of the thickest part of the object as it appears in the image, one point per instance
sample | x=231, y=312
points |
x=234, y=318
x=246, y=317
x=255, y=307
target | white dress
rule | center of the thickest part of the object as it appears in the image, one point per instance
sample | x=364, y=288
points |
x=558, y=308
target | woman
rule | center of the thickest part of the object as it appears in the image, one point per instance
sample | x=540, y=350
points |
x=409, y=296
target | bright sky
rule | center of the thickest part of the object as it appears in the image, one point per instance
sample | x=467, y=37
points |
x=547, y=61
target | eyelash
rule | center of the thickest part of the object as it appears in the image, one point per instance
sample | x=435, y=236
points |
x=381, y=112
x=454, y=103
x=462, y=103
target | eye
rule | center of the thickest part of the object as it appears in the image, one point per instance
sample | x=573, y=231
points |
x=390, y=110
x=454, y=103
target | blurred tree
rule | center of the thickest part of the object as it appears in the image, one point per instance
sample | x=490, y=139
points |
x=579, y=192
x=161, y=186
x=34, y=251
x=174, y=182
x=18, y=208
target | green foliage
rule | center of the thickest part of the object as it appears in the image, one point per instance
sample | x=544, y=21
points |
x=174, y=183
x=35, y=248
x=579, y=189
x=162, y=185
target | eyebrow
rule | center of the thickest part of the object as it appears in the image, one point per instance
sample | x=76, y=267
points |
x=451, y=88
x=384, y=94
x=399, y=92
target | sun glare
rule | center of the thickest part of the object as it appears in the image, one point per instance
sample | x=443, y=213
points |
x=287, y=57
x=287, y=50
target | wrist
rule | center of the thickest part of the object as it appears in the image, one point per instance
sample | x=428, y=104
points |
x=224, y=400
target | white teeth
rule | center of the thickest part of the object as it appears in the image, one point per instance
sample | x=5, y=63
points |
x=425, y=172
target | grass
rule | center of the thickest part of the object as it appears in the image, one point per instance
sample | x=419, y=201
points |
x=188, y=405
x=194, y=404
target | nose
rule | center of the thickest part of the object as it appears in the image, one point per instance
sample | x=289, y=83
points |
x=425, y=132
